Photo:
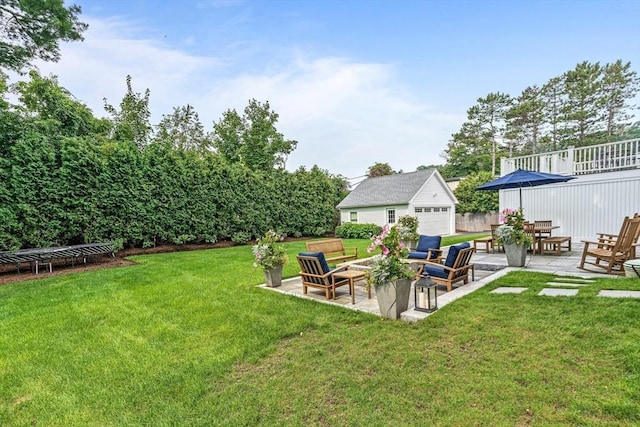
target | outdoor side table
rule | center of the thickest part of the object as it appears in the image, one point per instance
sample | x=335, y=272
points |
x=352, y=275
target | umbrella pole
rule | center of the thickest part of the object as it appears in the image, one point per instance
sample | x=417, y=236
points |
x=520, y=197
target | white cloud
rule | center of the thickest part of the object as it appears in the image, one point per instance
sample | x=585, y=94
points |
x=345, y=115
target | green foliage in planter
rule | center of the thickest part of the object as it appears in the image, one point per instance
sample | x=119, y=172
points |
x=351, y=230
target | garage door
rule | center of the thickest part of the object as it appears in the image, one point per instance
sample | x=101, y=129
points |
x=433, y=220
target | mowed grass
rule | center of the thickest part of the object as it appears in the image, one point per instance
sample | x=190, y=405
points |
x=188, y=339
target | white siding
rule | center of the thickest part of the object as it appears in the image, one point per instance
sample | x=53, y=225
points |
x=432, y=194
x=374, y=215
x=582, y=207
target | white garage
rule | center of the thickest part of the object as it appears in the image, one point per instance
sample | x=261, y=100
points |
x=433, y=219
x=382, y=200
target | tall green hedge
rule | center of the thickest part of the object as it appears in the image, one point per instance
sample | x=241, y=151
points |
x=58, y=191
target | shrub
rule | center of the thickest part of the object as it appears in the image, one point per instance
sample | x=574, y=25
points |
x=240, y=237
x=350, y=230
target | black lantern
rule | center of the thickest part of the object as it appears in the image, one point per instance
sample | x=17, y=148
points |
x=426, y=295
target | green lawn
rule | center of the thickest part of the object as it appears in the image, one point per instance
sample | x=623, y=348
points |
x=188, y=339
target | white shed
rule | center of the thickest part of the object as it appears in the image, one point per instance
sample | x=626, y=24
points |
x=384, y=199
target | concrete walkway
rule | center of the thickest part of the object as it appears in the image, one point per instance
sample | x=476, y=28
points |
x=488, y=267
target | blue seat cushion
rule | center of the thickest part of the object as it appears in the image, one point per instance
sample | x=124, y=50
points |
x=429, y=242
x=418, y=255
x=321, y=258
x=435, y=271
x=453, y=253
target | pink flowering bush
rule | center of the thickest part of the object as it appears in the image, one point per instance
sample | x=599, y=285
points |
x=512, y=229
x=388, y=267
x=267, y=252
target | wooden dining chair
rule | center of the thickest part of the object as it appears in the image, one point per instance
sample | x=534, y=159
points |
x=543, y=227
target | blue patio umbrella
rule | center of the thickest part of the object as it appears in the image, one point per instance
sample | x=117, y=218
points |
x=523, y=178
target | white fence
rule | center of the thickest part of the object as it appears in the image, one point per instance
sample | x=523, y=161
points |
x=590, y=204
x=608, y=157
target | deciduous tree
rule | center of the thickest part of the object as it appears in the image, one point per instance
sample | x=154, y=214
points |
x=379, y=169
x=33, y=30
x=471, y=200
x=252, y=138
x=183, y=130
x=44, y=99
x=131, y=121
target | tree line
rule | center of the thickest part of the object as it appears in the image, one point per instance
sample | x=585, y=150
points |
x=69, y=177
x=584, y=106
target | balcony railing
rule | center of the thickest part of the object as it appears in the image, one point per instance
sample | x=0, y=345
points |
x=607, y=157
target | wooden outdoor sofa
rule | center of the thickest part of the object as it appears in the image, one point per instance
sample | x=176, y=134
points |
x=333, y=250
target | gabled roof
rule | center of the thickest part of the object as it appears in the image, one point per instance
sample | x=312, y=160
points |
x=397, y=189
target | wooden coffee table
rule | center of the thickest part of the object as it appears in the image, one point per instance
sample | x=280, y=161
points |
x=352, y=275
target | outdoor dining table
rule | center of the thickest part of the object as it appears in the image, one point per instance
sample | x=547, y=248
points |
x=541, y=231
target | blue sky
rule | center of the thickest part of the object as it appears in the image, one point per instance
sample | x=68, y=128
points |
x=354, y=82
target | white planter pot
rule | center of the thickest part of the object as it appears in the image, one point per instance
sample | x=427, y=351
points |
x=516, y=254
x=393, y=298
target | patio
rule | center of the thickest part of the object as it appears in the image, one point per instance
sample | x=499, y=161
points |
x=488, y=267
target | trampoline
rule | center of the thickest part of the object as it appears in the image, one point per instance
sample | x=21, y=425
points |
x=37, y=257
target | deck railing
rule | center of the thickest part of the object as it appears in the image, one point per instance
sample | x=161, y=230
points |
x=607, y=157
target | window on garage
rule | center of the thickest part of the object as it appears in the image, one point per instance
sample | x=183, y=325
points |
x=391, y=216
x=353, y=216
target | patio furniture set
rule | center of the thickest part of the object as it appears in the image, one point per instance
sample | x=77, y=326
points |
x=608, y=252
x=316, y=273
x=541, y=234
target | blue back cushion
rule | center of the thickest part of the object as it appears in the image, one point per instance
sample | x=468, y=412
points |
x=429, y=242
x=453, y=253
x=321, y=258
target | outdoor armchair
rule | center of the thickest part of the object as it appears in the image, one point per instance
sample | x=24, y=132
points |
x=315, y=273
x=611, y=252
x=428, y=248
x=454, y=269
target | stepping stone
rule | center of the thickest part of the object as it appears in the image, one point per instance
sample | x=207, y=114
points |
x=508, y=290
x=619, y=294
x=553, y=292
x=565, y=284
x=576, y=280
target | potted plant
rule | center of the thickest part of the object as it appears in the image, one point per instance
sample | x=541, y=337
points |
x=512, y=236
x=408, y=230
x=271, y=257
x=389, y=275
